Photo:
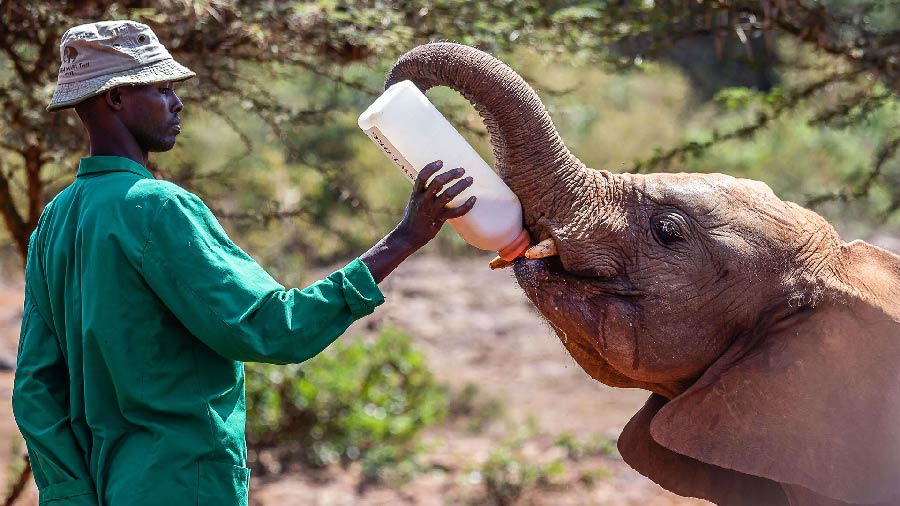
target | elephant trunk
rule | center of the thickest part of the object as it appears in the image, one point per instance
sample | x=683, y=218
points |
x=530, y=155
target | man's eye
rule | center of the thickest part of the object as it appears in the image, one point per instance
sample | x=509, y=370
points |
x=165, y=90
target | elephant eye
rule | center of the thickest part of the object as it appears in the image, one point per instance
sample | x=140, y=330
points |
x=666, y=230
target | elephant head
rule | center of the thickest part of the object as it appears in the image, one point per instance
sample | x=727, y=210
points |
x=771, y=347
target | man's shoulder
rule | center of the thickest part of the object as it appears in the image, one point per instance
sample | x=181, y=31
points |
x=157, y=189
x=158, y=193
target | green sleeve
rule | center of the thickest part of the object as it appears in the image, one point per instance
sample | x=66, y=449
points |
x=225, y=299
x=41, y=407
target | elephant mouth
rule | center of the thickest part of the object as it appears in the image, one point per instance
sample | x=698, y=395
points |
x=589, y=315
x=532, y=273
x=537, y=275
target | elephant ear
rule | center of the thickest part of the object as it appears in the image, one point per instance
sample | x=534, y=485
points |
x=814, y=404
x=686, y=476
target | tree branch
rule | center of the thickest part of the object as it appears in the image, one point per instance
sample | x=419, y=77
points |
x=851, y=110
x=216, y=110
x=20, y=484
x=886, y=152
x=763, y=119
x=15, y=224
x=34, y=185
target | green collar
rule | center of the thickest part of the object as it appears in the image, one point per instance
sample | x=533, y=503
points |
x=101, y=164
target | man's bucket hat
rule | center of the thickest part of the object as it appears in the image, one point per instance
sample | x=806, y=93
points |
x=99, y=56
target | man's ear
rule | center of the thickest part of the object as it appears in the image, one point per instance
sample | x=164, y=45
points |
x=815, y=404
x=113, y=99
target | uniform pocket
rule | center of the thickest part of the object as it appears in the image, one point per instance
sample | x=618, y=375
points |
x=222, y=483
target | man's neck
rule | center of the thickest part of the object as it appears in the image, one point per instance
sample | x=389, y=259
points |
x=139, y=159
x=117, y=143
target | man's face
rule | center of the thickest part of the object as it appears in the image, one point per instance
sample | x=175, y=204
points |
x=151, y=115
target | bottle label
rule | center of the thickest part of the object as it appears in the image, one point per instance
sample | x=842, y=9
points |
x=393, y=153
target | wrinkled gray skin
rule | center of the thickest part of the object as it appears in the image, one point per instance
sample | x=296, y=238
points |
x=771, y=347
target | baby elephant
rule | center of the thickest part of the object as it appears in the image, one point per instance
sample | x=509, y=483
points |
x=770, y=346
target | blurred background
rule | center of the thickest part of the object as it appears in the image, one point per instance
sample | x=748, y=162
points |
x=454, y=392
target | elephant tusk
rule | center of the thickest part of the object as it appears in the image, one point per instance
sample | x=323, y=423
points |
x=499, y=263
x=544, y=249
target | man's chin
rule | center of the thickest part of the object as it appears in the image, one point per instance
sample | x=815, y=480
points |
x=161, y=147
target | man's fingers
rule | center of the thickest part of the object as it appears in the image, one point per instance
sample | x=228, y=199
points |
x=442, y=179
x=451, y=193
x=456, y=212
x=426, y=173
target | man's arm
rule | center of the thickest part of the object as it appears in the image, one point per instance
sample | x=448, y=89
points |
x=41, y=406
x=225, y=299
x=424, y=216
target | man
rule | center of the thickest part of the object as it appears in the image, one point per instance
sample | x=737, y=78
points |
x=139, y=310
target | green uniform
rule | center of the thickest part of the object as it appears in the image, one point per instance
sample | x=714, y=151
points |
x=139, y=314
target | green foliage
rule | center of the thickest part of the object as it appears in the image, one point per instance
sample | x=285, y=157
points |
x=740, y=97
x=508, y=475
x=805, y=157
x=577, y=449
x=590, y=477
x=872, y=15
x=357, y=400
x=515, y=467
x=393, y=464
x=477, y=410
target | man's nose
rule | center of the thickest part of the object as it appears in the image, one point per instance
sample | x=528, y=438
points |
x=177, y=106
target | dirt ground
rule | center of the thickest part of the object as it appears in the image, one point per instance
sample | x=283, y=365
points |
x=477, y=328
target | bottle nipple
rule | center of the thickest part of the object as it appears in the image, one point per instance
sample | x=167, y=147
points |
x=516, y=248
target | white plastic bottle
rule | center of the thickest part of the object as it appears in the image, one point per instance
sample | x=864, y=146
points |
x=413, y=133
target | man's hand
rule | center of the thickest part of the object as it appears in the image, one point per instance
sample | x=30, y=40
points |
x=427, y=210
x=425, y=215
